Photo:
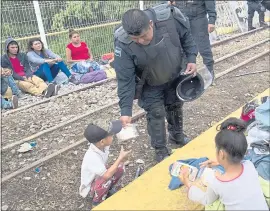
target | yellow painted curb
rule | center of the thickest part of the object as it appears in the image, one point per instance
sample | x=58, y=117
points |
x=150, y=191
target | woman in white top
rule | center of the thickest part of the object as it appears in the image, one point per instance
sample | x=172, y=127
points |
x=238, y=188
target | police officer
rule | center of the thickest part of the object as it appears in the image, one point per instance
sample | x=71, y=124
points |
x=255, y=5
x=196, y=11
x=149, y=47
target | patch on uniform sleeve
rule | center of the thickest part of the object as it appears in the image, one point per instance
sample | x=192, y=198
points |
x=117, y=51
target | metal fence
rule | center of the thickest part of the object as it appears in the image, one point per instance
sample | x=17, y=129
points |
x=95, y=20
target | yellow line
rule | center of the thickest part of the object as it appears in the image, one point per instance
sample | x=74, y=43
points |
x=150, y=191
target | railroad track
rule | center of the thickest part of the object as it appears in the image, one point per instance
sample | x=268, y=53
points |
x=56, y=139
x=38, y=120
x=68, y=134
x=250, y=53
x=219, y=50
x=56, y=186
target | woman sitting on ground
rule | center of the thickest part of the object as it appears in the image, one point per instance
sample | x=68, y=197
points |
x=46, y=64
x=80, y=57
x=16, y=65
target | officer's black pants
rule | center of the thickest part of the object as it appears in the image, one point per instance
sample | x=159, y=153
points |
x=252, y=7
x=160, y=102
x=199, y=31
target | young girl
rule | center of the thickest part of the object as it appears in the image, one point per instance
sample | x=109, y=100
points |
x=238, y=188
x=45, y=64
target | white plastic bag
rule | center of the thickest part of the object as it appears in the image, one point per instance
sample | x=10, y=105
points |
x=25, y=147
x=127, y=133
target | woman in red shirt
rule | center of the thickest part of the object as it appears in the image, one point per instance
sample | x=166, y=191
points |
x=80, y=57
x=77, y=52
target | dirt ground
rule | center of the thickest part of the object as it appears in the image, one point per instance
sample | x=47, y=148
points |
x=56, y=186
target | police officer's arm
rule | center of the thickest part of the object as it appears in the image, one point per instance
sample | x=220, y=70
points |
x=125, y=74
x=187, y=42
x=211, y=11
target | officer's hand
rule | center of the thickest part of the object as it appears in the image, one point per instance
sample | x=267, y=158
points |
x=211, y=28
x=125, y=120
x=191, y=69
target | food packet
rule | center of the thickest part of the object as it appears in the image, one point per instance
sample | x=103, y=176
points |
x=129, y=132
x=178, y=167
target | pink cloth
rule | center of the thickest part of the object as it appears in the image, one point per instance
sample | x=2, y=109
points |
x=101, y=187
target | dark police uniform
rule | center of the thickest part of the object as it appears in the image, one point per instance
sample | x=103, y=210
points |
x=196, y=11
x=255, y=5
x=155, y=68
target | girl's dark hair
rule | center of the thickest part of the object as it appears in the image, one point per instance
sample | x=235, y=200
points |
x=232, y=140
x=30, y=44
x=71, y=32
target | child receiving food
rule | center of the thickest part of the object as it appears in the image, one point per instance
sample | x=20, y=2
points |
x=238, y=188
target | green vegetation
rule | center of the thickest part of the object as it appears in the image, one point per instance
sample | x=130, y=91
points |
x=99, y=39
x=19, y=21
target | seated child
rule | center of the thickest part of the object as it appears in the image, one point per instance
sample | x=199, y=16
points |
x=9, y=103
x=95, y=177
x=239, y=187
x=8, y=85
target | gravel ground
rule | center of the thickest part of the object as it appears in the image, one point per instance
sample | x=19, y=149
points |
x=235, y=60
x=63, y=109
x=56, y=186
x=30, y=121
x=55, y=140
x=237, y=44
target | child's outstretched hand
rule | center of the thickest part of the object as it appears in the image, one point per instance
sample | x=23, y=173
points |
x=123, y=154
x=209, y=164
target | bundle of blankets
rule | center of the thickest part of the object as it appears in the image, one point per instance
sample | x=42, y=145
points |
x=90, y=71
x=258, y=136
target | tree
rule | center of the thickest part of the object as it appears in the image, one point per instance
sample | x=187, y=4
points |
x=87, y=13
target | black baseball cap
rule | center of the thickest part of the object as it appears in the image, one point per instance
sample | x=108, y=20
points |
x=96, y=132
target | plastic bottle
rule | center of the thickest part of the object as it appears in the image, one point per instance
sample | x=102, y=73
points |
x=206, y=75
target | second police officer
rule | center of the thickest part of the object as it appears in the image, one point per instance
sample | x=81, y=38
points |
x=200, y=25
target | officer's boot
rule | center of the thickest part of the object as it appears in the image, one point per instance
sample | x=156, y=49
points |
x=157, y=131
x=261, y=20
x=175, y=125
x=250, y=27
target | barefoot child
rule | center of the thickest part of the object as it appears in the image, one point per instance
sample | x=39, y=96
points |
x=238, y=188
x=95, y=177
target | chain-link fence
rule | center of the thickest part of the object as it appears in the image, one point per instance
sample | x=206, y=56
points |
x=95, y=21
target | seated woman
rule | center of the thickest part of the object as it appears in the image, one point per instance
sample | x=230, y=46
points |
x=8, y=85
x=80, y=57
x=45, y=64
x=9, y=104
x=16, y=65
